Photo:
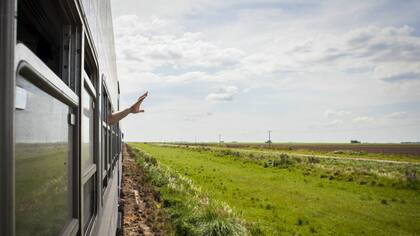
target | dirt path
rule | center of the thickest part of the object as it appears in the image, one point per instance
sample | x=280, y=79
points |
x=142, y=215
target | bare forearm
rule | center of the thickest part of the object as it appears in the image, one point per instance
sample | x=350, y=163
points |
x=117, y=116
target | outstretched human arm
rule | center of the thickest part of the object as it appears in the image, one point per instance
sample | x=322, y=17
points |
x=135, y=108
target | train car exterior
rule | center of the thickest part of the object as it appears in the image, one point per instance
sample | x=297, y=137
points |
x=60, y=163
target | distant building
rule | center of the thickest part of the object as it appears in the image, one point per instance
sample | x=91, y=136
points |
x=355, y=141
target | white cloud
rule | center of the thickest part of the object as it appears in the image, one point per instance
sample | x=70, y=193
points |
x=397, y=115
x=334, y=123
x=397, y=71
x=187, y=77
x=336, y=113
x=362, y=119
x=392, y=53
x=246, y=90
x=223, y=94
x=150, y=46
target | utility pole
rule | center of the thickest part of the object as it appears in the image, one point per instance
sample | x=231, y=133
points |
x=220, y=139
x=269, y=138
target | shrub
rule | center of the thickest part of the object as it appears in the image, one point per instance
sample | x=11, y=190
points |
x=313, y=160
x=284, y=161
x=349, y=152
x=411, y=177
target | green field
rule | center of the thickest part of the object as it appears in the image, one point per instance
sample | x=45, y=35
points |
x=287, y=195
x=395, y=152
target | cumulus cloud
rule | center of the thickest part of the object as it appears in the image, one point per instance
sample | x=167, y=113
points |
x=362, y=119
x=336, y=113
x=397, y=115
x=223, y=94
x=392, y=53
x=153, y=45
x=398, y=72
x=187, y=77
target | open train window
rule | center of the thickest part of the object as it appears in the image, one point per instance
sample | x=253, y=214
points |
x=44, y=27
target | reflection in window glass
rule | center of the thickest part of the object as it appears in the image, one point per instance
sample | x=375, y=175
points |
x=109, y=148
x=88, y=201
x=88, y=126
x=104, y=145
x=43, y=202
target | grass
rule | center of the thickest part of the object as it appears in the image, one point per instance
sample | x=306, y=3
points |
x=392, y=152
x=192, y=212
x=42, y=199
x=288, y=197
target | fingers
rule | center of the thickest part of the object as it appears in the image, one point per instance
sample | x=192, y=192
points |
x=142, y=97
x=135, y=108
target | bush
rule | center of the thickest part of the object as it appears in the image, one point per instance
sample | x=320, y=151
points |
x=411, y=177
x=284, y=161
x=313, y=160
x=349, y=152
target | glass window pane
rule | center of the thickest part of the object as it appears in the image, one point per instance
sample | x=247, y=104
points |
x=43, y=197
x=88, y=201
x=109, y=155
x=88, y=126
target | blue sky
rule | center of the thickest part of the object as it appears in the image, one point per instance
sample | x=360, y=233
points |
x=310, y=71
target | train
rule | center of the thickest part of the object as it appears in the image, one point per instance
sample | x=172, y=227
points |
x=61, y=162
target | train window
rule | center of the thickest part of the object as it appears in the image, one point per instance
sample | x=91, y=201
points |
x=43, y=147
x=89, y=206
x=88, y=130
x=89, y=144
x=89, y=65
x=105, y=144
x=108, y=148
x=104, y=103
x=43, y=26
x=109, y=156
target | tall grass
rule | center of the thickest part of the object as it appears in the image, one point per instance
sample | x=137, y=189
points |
x=191, y=211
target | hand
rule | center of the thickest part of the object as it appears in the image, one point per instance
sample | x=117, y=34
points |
x=135, y=108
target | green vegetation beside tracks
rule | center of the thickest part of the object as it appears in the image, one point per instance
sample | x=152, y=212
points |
x=284, y=195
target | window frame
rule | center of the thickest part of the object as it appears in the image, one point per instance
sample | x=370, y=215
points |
x=7, y=108
x=44, y=78
x=93, y=171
